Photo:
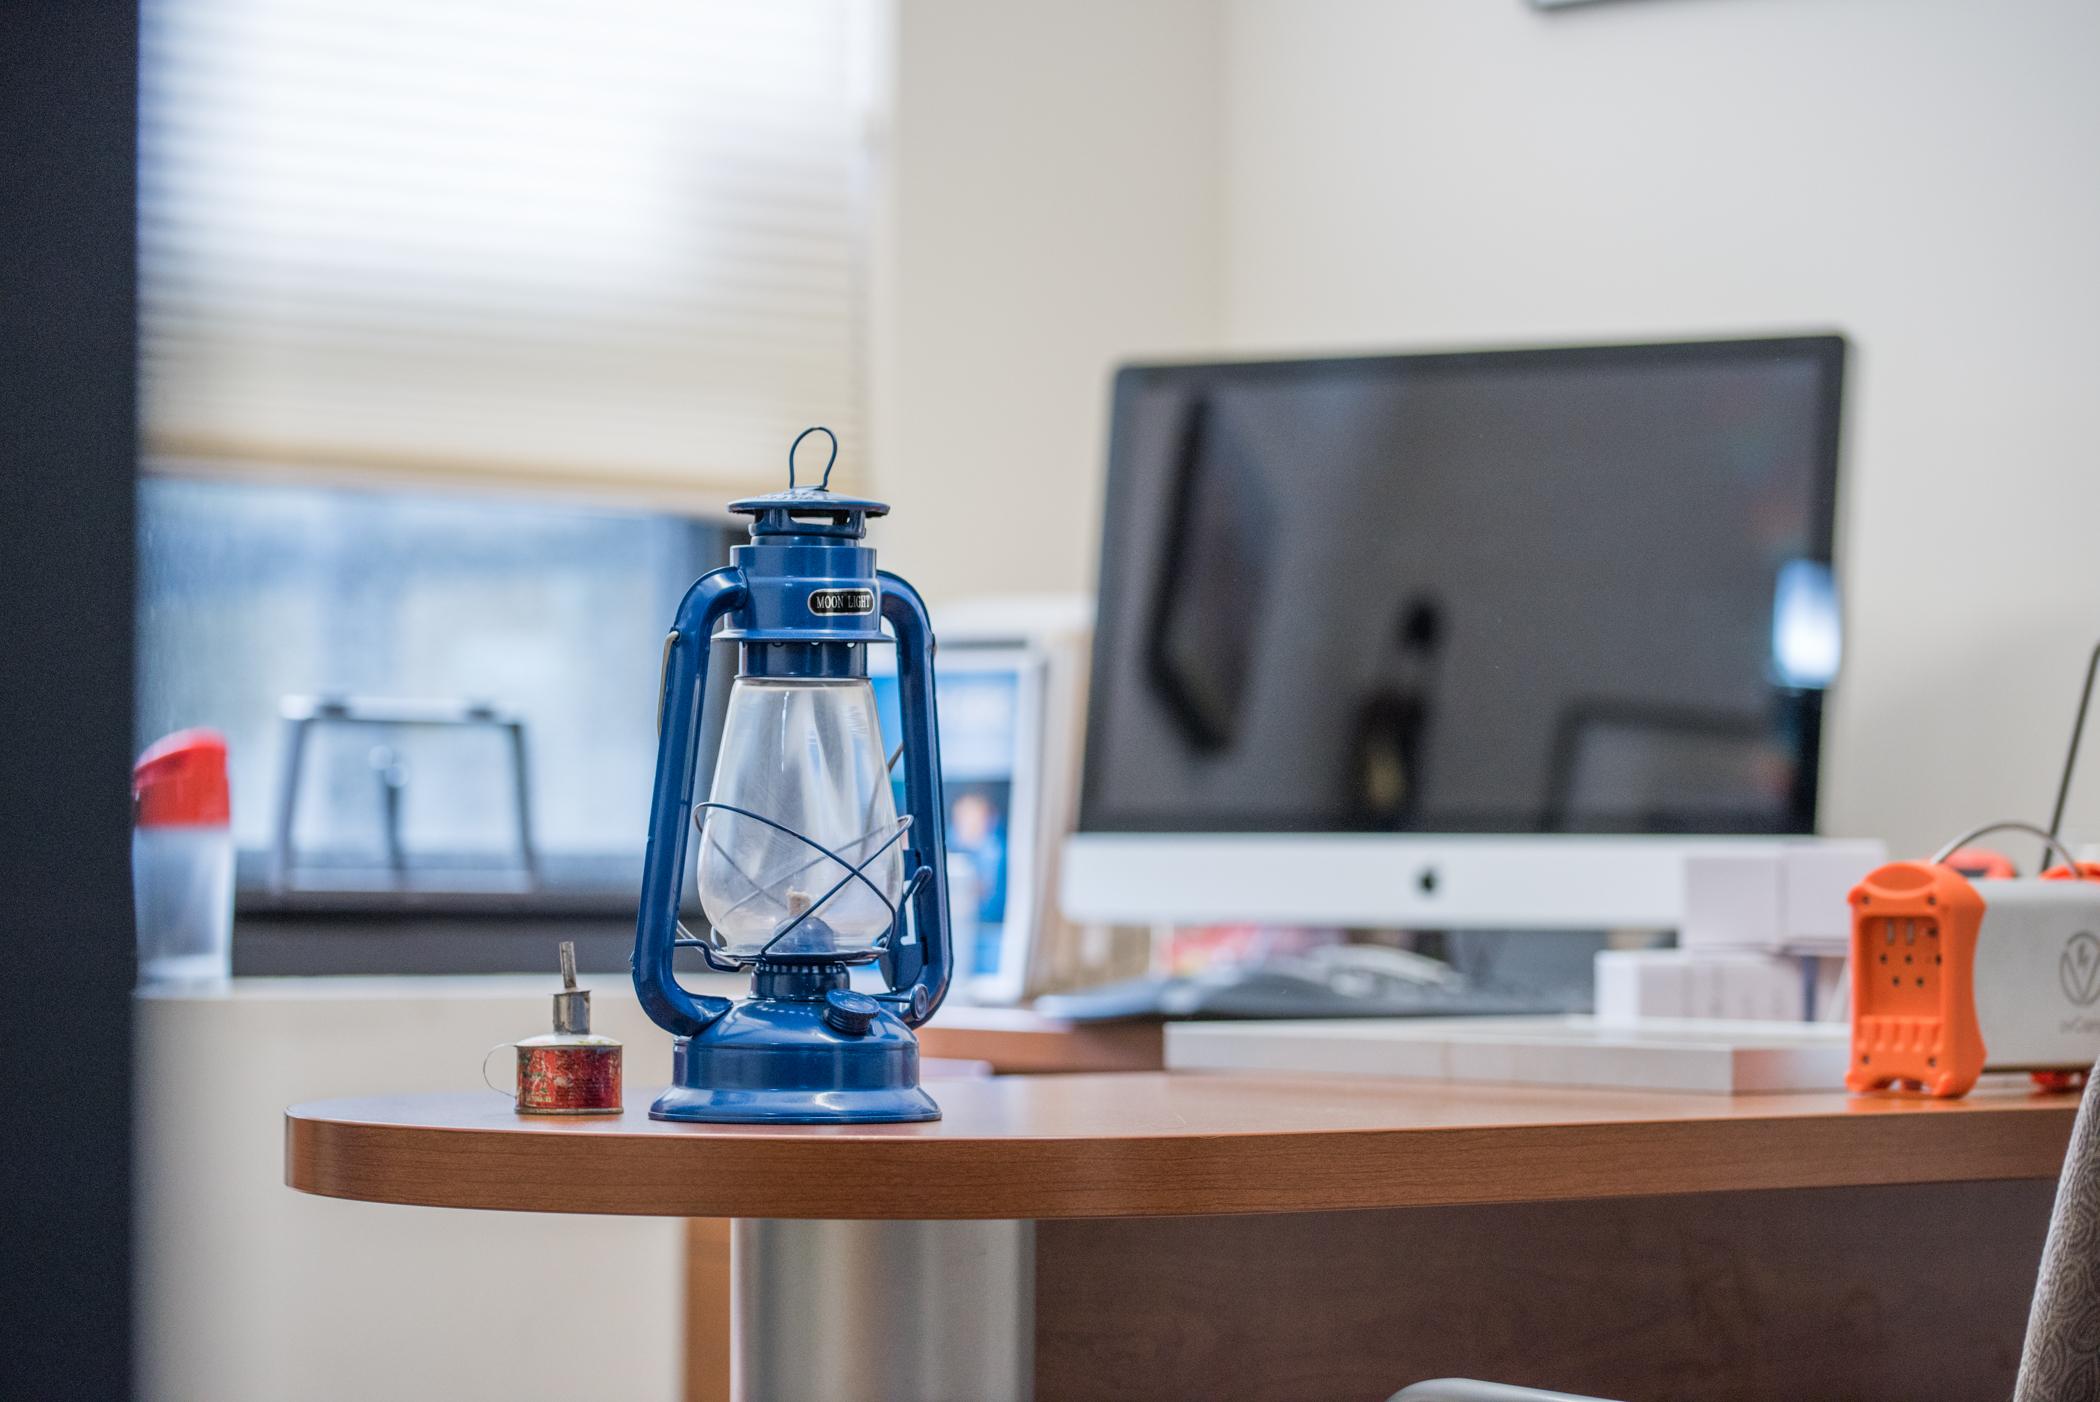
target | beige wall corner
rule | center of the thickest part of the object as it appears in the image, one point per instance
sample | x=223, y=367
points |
x=1046, y=207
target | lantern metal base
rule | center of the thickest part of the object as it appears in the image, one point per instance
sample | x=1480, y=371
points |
x=789, y=1107
x=780, y=1061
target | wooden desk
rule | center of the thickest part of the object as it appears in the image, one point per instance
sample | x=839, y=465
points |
x=1631, y=1244
x=1023, y=1042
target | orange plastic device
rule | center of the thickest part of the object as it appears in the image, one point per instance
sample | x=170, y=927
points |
x=1914, y=929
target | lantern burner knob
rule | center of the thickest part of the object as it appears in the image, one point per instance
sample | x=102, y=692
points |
x=850, y=1014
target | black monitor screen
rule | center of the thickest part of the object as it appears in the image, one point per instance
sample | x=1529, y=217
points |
x=1512, y=591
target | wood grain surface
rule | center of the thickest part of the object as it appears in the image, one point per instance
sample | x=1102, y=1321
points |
x=1155, y=1144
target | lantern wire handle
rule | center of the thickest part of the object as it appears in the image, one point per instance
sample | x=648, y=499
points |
x=853, y=873
x=829, y=463
x=758, y=886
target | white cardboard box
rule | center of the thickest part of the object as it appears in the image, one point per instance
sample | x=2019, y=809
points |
x=1636, y=984
x=1789, y=896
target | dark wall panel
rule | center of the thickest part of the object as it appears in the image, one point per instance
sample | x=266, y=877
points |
x=67, y=472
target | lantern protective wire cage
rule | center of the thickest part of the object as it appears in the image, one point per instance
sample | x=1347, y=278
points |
x=724, y=962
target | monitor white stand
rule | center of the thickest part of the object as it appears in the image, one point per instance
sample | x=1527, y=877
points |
x=1385, y=880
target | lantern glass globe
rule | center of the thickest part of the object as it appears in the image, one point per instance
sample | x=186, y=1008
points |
x=806, y=754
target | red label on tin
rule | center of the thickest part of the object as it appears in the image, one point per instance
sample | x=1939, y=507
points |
x=568, y=1078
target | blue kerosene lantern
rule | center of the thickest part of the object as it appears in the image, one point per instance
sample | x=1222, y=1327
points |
x=806, y=869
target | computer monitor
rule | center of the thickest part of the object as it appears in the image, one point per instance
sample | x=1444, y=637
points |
x=1483, y=639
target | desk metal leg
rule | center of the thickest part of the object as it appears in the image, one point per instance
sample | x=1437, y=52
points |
x=848, y=1311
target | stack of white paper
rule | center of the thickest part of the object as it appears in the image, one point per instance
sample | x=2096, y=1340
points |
x=1674, y=1054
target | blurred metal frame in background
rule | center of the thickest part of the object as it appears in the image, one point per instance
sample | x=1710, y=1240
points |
x=303, y=714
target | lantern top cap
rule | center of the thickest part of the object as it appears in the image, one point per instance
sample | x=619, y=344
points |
x=809, y=513
x=808, y=499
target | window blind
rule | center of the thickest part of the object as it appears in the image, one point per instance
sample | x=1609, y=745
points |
x=617, y=243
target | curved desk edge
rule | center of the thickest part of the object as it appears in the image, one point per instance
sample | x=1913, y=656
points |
x=1168, y=1145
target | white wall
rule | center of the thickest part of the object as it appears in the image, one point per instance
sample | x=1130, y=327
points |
x=1068, y=186
x=1048, y=208
x=250, y=1292
x=1917, y=173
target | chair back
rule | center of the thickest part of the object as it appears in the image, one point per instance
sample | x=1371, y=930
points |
x=2060, y=1362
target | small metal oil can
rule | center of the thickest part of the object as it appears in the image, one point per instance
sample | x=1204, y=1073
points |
x=569, y=1071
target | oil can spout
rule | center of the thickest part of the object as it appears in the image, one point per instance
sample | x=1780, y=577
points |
x=572, y=1006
